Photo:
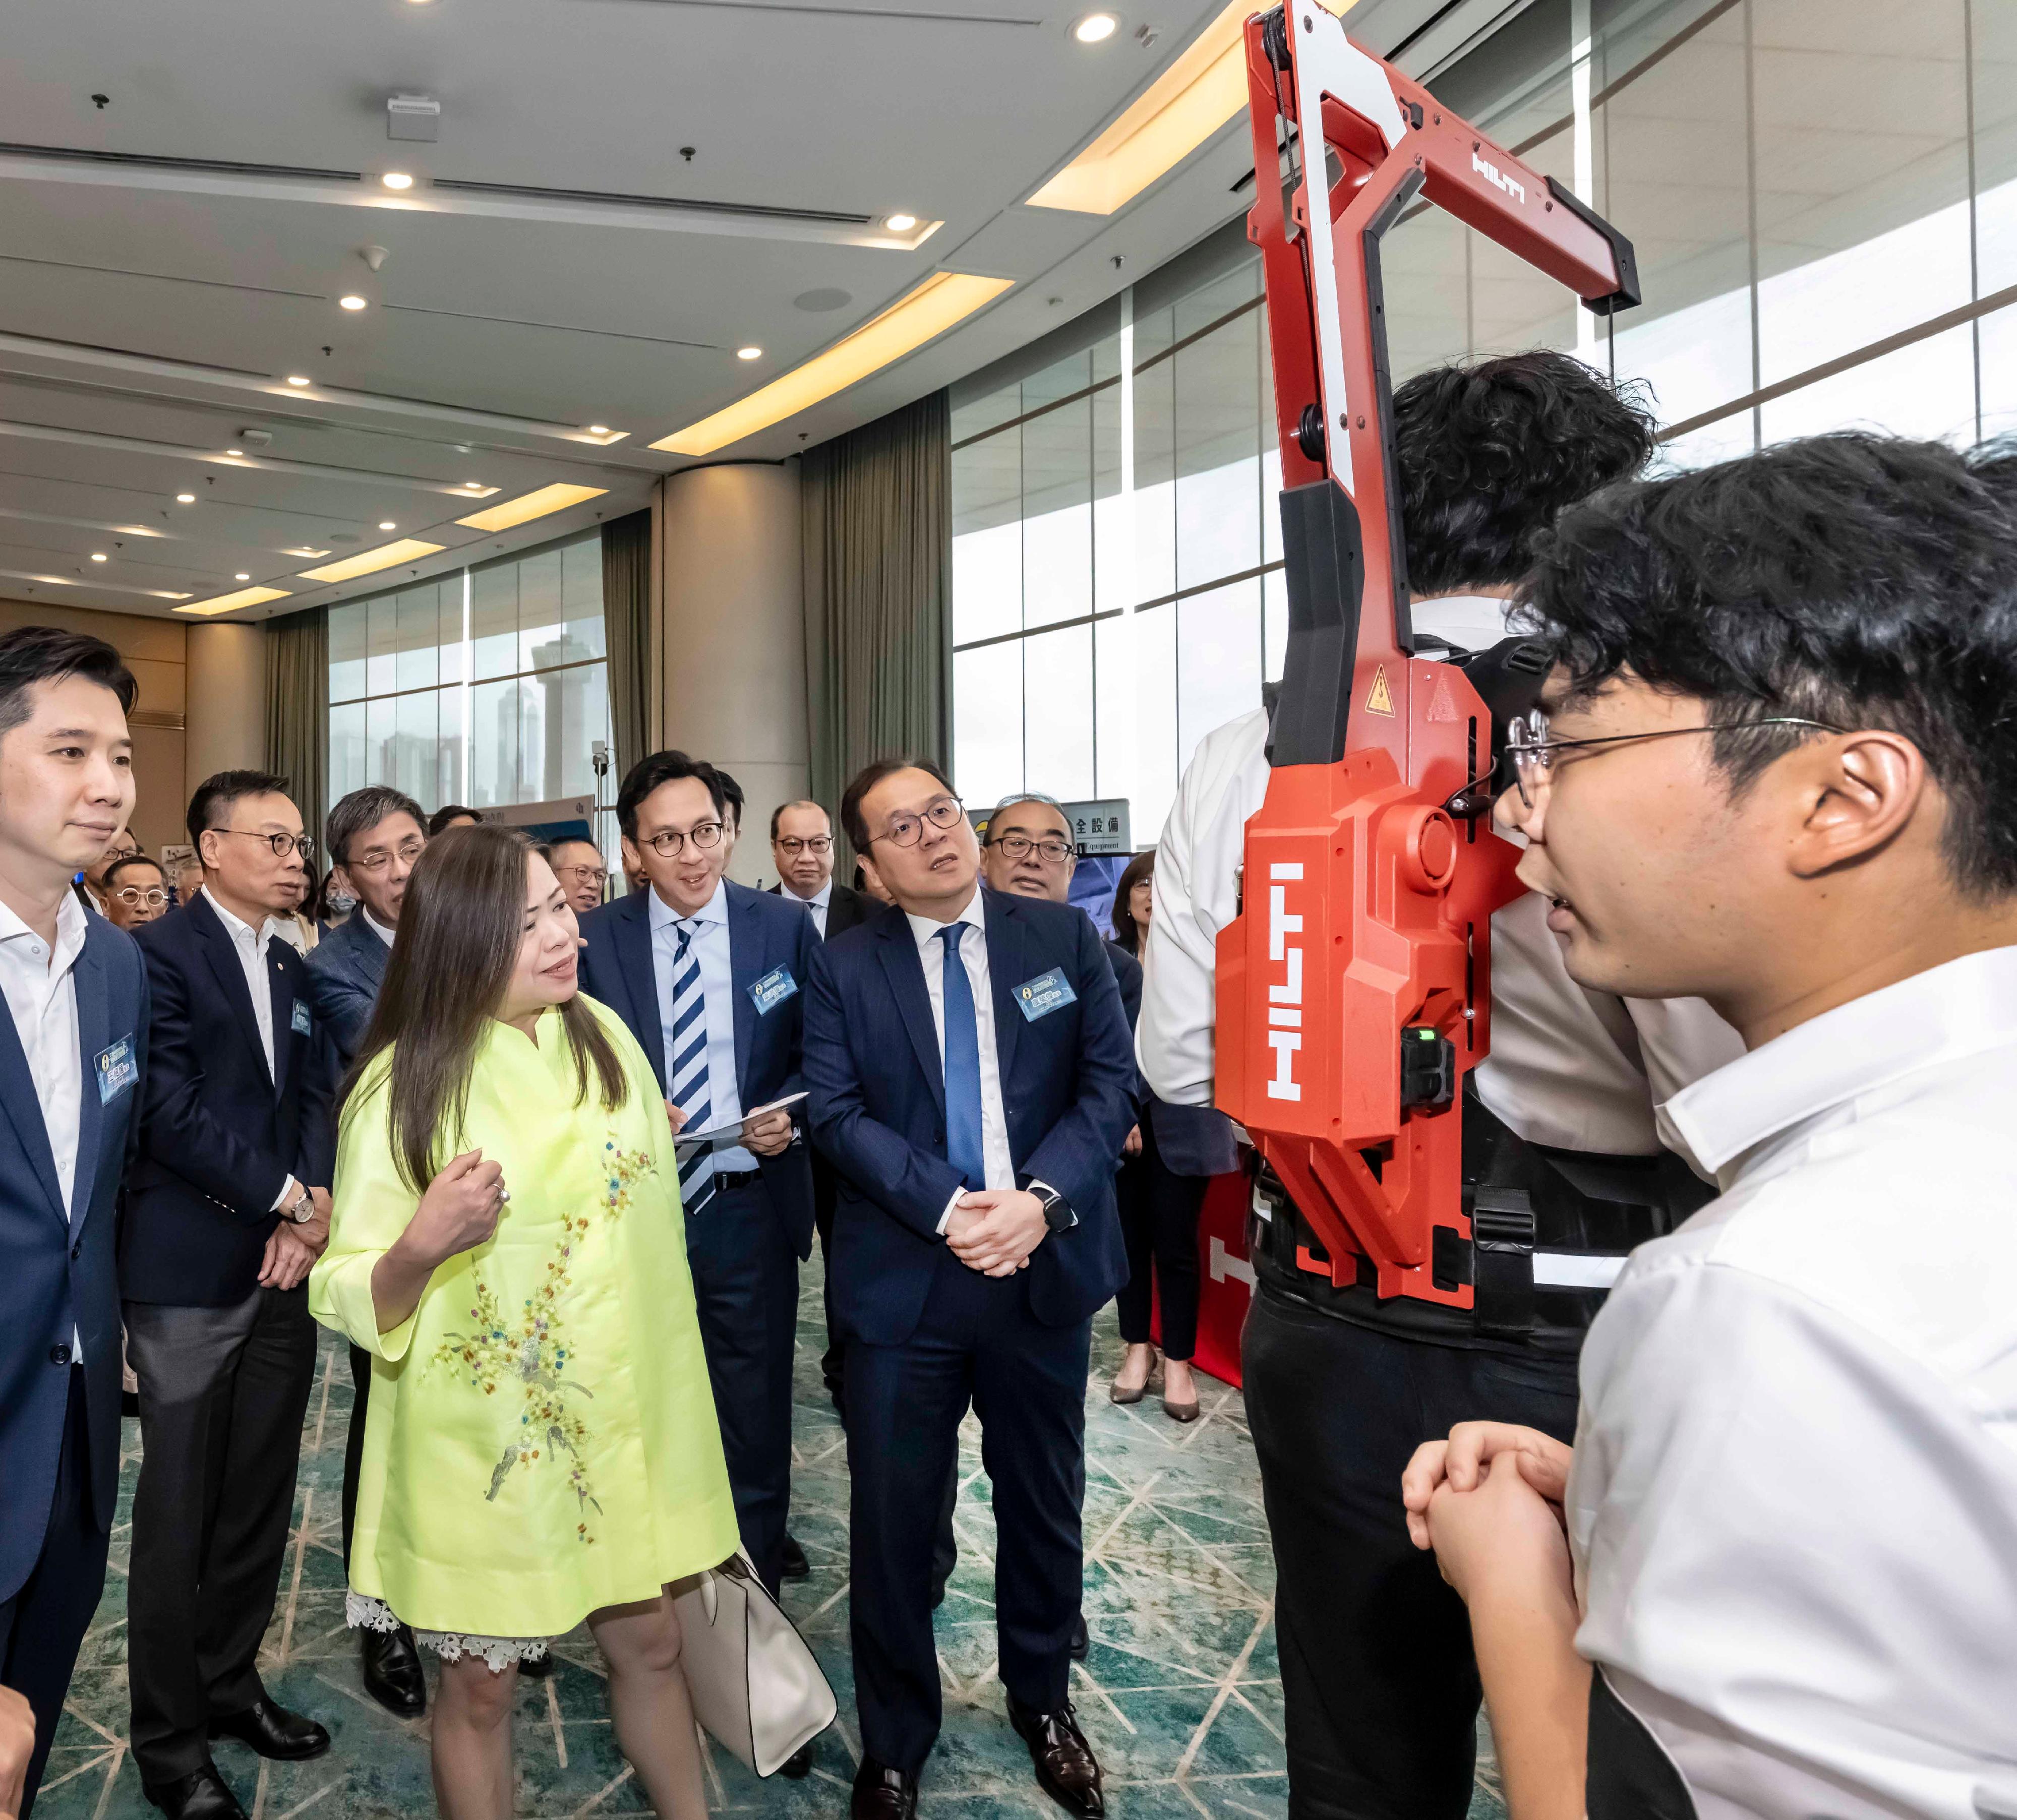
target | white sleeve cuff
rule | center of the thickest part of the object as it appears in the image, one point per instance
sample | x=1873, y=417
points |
x=291, y=1190
x=945, y=1218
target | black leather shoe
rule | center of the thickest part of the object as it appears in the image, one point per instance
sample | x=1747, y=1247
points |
x=392, y=1675
x=799, y=1765
x=1082, y=1643
x=273, y=1731
x=883, y=1793
x=1066, y=1769
x=537, y=1667
x=796, y=1565
x=201, y=1795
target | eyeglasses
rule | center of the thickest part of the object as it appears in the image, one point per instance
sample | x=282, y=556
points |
x=282, y=845
x=132, y=896
x=1053, y=850
x=811, y=844
x=1533, y=753
x=380, y=858
x=906, y=830
x=668, y=841
x=595, y=875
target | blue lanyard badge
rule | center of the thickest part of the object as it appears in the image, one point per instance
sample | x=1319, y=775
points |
x=117, y=1070
x=298, y=1023
x=1046, y=994
x=771, y=991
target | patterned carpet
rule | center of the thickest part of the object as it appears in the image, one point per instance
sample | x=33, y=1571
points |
x=1181, y=1697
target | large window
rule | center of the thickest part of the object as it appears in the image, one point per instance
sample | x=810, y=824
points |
x=487, y=686
x=1823, y=197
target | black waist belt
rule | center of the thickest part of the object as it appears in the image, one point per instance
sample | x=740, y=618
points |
x=741, y=1178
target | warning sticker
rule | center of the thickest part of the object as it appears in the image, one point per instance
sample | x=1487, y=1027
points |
x=1444, y=706
x=1379, y=698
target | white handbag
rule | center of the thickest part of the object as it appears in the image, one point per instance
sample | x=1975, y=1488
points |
x=756, y=1690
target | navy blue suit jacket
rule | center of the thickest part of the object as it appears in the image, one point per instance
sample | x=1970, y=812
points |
x=61, y=1275
x=219, y=1136
x=346, y=967
x=765, y=933
x=878, y=1095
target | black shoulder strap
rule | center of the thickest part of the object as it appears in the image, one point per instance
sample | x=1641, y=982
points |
x=1629, y=1774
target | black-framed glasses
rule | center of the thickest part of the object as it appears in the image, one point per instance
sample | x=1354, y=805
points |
x=1053, y=850
x=794, y=845
x=668, y=842
x=380, y=858
x=282, y=845
x=1532, y=753
x=132, y=896
x=906, y=830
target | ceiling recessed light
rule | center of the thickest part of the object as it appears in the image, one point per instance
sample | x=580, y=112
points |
x=98, y=556
x=184, y=499
x=530, y=505
x=396, y=180
x=1095, y=28
x=241, y=576
x=234, y=452
x=298, y=379
x=387, y=524
x=474, y=486
x=230, y=603
x=748, y=354
x=352, y=302
x=369, y=561
x=598, y=429
x=900, y=224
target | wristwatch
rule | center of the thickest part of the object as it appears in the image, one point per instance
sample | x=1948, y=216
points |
x=300, y=1210
x=1058, y=1214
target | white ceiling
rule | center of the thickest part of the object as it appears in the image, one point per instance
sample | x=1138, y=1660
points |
x=149, y=316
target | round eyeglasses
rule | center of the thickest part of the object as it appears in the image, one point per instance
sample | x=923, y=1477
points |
x=668, y=842
x=1052, y=850
x=906, y=830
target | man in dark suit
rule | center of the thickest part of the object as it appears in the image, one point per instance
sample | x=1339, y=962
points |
x=227, y=1207
x=73, y=1055
x=709, y=976
x=375, y=836
x=971, y=1077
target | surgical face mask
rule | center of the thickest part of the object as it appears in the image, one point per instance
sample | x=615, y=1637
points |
x=340, y=905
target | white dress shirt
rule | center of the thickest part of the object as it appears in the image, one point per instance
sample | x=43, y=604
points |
x=41, y=989
x=1794, y=1508
x=251, y=946
x=1569, y=1067
x=709, y=947
x=998, y=1166
x=376, y=928
x=816, y=903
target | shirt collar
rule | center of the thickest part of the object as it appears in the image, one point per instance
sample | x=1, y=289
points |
x=664, y=916
x=1960, y=1008
x=1470, y=622
x=923, y=931
x=236, y=927
x=376, y=928
x=72, y=922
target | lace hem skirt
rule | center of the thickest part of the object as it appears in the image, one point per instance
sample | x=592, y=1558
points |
x=498, y=1653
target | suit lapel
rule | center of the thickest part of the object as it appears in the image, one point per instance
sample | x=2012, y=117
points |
x=746, y=964
x=23, y=1110
x=222, y=953
x=95, y=1034
x=279, y=961
x=1005, y=971
x=906, y=974
x=631, y=933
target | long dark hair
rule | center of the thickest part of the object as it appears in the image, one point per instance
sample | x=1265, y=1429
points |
x=1125, y=930
x=460, y=924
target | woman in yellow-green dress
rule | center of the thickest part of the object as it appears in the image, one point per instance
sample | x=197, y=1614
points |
x=541, y=1446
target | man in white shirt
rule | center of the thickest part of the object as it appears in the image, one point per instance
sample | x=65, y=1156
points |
x=72, y=1055
x=1780, y=778
x=1380, y=1689
x=802, y=845
x=578, y=866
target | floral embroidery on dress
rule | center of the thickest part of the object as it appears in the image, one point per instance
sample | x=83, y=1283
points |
x=532, y=1352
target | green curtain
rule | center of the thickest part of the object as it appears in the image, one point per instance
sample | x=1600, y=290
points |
x=297, y=713
x=877, y=507
x=626, y=618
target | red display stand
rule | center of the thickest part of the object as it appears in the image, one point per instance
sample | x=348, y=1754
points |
x=1225, y=1279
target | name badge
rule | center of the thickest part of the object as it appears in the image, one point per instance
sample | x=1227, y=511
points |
x=771, y=991
x=117, y=1070
x=299, y=1022
x=1046, y=994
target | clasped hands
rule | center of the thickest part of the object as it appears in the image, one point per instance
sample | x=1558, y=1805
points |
x=994, y=1229
x=1489, y=1501
x=291, y=1250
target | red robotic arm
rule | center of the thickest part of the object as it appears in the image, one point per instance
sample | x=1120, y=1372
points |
x=1355, y=987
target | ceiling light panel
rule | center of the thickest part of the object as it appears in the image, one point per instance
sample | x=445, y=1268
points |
x=530, y=505
x=1203, y=89
x=369, y=561
x=944, y=299
x=231, y=603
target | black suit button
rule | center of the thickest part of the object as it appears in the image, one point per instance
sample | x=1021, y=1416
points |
x=77, y=1251
x=58, y=1355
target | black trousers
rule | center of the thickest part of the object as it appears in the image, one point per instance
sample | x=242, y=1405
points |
x=833, y=1361
x=1159, y=1218
x=42, y=1625
x=745, y=1282
x=976, y=1343
x=222, y=1393
x=353, y=1443
x=1379, y=1688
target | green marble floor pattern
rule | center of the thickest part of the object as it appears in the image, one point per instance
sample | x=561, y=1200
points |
x=1181, y=1695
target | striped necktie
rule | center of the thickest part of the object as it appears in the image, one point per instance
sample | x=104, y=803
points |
x=688, y=1081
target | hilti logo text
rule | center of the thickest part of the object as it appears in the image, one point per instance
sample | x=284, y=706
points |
x=1285, y=996
x=1512, y=187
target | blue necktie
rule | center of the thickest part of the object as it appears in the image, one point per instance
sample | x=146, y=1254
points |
x=688, y=1075
x=962, y=1065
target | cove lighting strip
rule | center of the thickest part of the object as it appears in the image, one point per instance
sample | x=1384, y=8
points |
x=556, y=498
x=231, y=603
x=1175, y=114
x=369, y=561
x=942, y=300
